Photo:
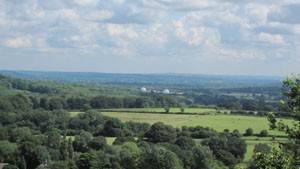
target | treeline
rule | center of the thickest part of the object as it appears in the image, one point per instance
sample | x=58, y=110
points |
x=259, y=103
x=23, y=102
x=20, y=102
x=24, y=95
x=53, y=139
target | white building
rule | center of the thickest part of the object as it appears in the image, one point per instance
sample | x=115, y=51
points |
x=166, y=91
x=143, y=89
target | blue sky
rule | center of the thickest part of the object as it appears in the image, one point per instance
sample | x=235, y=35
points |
x=232, y=37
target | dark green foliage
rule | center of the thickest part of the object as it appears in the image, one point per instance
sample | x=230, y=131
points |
x=88, y=121
x=167, y=109
x=33, y=123
x=81, y=142
x=96, y=160
x=10, y=167
x=262, y=148
x=186, y=156
x=3, y=133
x=63, y=149
x=70, y=149
x=122, y=139
x=250, y=105
x=185, y=143
x=6, y=105
x=203, y=157
x=8, y=118
x=263, y=133
x=200, y=132
x=112, y=128
x=57, y=165
x=275, y=159
x=88, y=160
x=53, y=138
x=227, y=147
x=44, y=103
x=137, y=128
x=288, y=154
x=130, y=156
x=160, y=132
x=20, y=133
x=33, y=151
x=8, y=152
x=248, y=132
x=98, y=143
x=77, y=103
x=154, y=157
x=56, y=103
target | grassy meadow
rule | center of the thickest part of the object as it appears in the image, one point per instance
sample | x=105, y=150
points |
x=162, y=110
x=217, y=122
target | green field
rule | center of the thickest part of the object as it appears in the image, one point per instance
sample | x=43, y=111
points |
x=253, y=140
x=217, y=122
x=162, y=110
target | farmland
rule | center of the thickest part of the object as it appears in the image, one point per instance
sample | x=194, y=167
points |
x=162, y=110
x=217, y=122
x=53, y=113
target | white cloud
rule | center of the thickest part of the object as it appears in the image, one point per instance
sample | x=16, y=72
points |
x=296, y=29
x=67, y=14
x=86, y=2
x=190, y=30
x=18, y=42
x=200, y=31
x=258, y=13
x=155, y=36
x=185, y=5
x=240, y=54
x=266, y=37
x=121, y=30
x=99, y=15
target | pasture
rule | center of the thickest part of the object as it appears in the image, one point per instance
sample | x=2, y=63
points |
x=162, y=110
x=217, y=122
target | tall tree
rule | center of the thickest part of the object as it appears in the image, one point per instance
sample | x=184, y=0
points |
x=288, y=156
x=64, y=154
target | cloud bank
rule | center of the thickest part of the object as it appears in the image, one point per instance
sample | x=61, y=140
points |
x=184, y=36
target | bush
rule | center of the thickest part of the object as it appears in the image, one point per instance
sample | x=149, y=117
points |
x=10, y=167
x=249, y=132
x=182, y=109
x=262, y=148
x=167, y=109
x=263, y=133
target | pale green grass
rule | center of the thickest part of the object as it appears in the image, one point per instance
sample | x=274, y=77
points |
x=162, y=110
x=173, y=119
x=217, y=122
x=73, y=114
x=253, y=140
x=110, y=140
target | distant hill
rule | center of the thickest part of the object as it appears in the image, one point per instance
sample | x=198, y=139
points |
x=138, y=80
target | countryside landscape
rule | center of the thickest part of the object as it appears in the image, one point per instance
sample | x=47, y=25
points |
x=149, y=84
x=104, y=123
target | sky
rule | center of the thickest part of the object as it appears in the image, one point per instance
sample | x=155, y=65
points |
x=223, y=37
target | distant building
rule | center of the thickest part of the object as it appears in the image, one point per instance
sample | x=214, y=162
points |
x=166, y=91
x=143, y=89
